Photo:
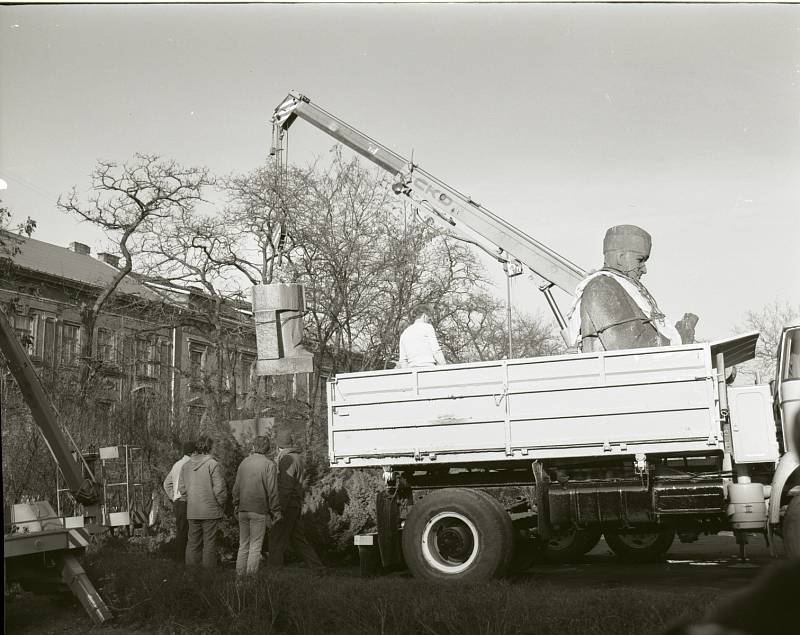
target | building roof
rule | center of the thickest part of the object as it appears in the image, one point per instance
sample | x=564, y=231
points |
x=46, y=258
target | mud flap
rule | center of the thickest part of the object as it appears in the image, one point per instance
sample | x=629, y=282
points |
x=387, y=512
x=542, y=481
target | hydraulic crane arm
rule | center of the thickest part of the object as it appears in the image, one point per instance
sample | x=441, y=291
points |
x=457, y=209
x=44, y=415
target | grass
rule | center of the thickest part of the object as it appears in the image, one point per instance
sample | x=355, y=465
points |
x=154, y=595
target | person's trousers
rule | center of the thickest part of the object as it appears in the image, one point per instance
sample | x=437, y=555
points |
x=251, y=536
x=202, y=542
x=289, y=531
x=181, y=529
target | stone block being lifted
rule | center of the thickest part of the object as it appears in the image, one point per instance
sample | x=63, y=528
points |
x=278, y=312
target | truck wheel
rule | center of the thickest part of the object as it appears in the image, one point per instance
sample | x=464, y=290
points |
x=503, y=515
x=458, y=534
x=790, y=528
x=640, y=546
x=570, y=546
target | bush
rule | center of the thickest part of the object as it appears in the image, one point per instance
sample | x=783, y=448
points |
x=340, y=505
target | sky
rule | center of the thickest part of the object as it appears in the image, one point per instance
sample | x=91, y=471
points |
x=563, y=119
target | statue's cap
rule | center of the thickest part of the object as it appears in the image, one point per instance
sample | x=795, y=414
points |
x=627, y=238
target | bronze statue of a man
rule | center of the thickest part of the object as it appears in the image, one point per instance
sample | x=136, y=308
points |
x=613, y=309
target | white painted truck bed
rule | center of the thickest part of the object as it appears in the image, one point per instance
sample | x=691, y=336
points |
x=654, y=401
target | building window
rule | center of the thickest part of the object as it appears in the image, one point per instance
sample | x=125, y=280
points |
x=196, y=413
x=128, y=358
x=105, y=346
x=197, y=362
x=112, y=389
x=152, y=358
x=25, y=328
x=300, y=387
x=140, y=356
x=165, y=360
x=246, y=373
x=48, y=352
x=145, y=358
x=70, y=343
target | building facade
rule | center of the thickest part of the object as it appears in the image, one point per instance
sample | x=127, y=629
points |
x=149, y=339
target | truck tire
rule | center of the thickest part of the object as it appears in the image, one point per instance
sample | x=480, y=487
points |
x=571, y=546
x=790, y=528
x=502, y=514
x=640, y=546
x=459, y=535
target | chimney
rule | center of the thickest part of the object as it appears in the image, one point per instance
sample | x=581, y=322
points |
x=80, y=248
x=109, y=259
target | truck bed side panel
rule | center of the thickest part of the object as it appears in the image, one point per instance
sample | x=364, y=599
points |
x=648, y=400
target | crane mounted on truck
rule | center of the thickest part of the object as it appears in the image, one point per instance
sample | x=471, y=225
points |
x=40, y=549
x=465, y=216
x=636, y=445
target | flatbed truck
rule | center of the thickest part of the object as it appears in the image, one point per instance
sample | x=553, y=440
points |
x=636, y=445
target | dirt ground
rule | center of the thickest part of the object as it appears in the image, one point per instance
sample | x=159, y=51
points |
x=711, y=563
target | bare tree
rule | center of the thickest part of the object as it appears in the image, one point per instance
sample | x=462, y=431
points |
x=265, y=207
x=339, y=247
x=125, y=200
x=9, y=245
x=770, y=321
x=478, y=331
x=191, y=253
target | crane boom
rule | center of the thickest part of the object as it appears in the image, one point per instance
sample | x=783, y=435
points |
x=44, y=414
x=438, y=198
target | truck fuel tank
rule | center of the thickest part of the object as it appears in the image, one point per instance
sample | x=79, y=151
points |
x=634, y=503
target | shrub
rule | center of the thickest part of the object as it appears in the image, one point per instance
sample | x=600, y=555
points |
x=340, y=505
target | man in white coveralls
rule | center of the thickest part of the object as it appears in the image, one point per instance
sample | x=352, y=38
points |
x=418, y=344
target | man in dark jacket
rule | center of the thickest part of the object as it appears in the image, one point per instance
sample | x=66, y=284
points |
x=255, y=502
x=203, y=486
x=289, y=529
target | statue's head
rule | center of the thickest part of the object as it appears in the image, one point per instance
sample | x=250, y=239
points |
x=626, y=248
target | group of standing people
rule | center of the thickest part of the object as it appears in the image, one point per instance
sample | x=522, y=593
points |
x=267, y=496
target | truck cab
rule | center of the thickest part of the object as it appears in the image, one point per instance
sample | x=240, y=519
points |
x=784, y=502
x=786, y=386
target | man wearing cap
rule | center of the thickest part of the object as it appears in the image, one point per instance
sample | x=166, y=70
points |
x=613, y=309
x=418, y=344
x=289, y=529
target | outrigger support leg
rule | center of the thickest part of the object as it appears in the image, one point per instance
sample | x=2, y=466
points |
x=76, y=579
x=741, y=539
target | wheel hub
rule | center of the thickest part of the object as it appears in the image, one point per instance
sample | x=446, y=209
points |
x=562, y=541
x=450, y=542
x=639, y=540
x=454, y=543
